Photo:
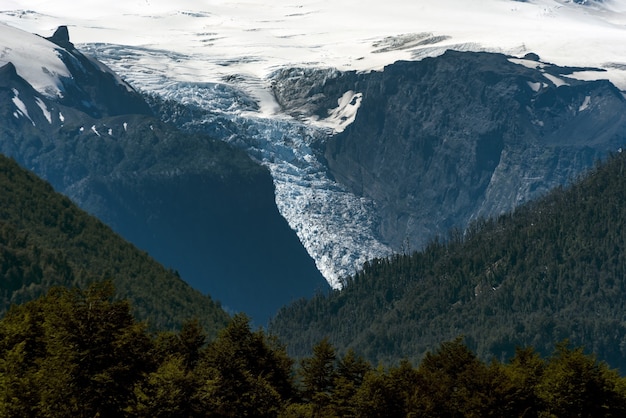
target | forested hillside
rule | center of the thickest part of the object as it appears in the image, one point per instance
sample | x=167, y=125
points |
x=46, y=241
x=79, y=353
x=553, y=269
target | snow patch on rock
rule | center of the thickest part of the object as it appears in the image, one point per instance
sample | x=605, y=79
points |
x=21, y=107
x=585, y=104
x=343, y=115
x=44, y=109
x=46, y=76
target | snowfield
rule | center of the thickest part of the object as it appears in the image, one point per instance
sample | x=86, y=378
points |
x=212, y=40
x=46, y=75
x=220, y=55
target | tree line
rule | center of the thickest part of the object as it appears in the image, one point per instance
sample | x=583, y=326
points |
x=81, y=353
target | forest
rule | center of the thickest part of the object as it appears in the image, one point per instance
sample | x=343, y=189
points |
x=81, y=353
x=553, y=269
x=46, y=241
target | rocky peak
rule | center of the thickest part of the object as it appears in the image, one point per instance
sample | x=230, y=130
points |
x=61, y=37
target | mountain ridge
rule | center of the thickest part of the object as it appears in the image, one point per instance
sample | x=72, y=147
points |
x=466, y=135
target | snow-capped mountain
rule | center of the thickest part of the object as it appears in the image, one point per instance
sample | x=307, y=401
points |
x=234, y=59
x=59, y=72
x=194, y=203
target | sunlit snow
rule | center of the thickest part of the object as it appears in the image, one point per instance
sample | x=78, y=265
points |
x=558, y=82
x=44, y=109
x=535, y=86
x=343, y=115
x=21, y=107
x=209, y=40
x=39, y=64
x=585, y=104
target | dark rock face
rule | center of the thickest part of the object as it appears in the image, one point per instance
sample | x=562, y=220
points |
x=61, y=37
x=195, y=204
x=440, y=142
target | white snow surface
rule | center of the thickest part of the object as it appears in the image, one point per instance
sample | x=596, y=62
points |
x=585, y=104
x=558, y=82
x=210, y=40
x=214, y=53
x=343, y=115
x=39, y=64
x=44, y=109
x=21, y=107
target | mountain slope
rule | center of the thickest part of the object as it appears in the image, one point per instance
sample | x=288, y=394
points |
x=553, y=269
x=445, y=140
x=222, y=58
x=195, y=204
x=45, y=241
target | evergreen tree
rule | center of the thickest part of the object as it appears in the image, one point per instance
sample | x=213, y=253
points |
x=349, y=376
x=576, y=385
x=318, y=377
x=244, y=373
x=519, y=393
x=79, y=353
x=453, y=383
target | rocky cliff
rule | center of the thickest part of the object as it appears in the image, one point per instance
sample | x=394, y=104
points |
x=445, y=140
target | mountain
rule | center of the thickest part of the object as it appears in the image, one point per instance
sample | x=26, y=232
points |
x=195, y=204
x=410, y=120
x=227, y=64
x=419, y=147
x=553, y=269
x=230, y=65
x=46, y=241
x=442, y=141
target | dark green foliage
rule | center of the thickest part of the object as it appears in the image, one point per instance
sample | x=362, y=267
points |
x=76, y=353
x=349, y=377
x=46, y=241
x=80, y=353
x=246, y=373
x=386, y=394
x=576, y=385
x=329, y=386
x=318, y=372
x=71, y=353
x=553, y=269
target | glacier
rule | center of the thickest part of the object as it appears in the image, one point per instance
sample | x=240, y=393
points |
x=220, y=57
x=336, y=227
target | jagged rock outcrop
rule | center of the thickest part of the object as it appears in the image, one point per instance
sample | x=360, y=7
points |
x=61, y=37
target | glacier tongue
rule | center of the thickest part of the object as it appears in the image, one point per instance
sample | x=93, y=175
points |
x=336, y=227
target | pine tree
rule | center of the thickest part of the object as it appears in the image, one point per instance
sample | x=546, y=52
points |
x=575, y=384
x=80, y=356
x=318, y=376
